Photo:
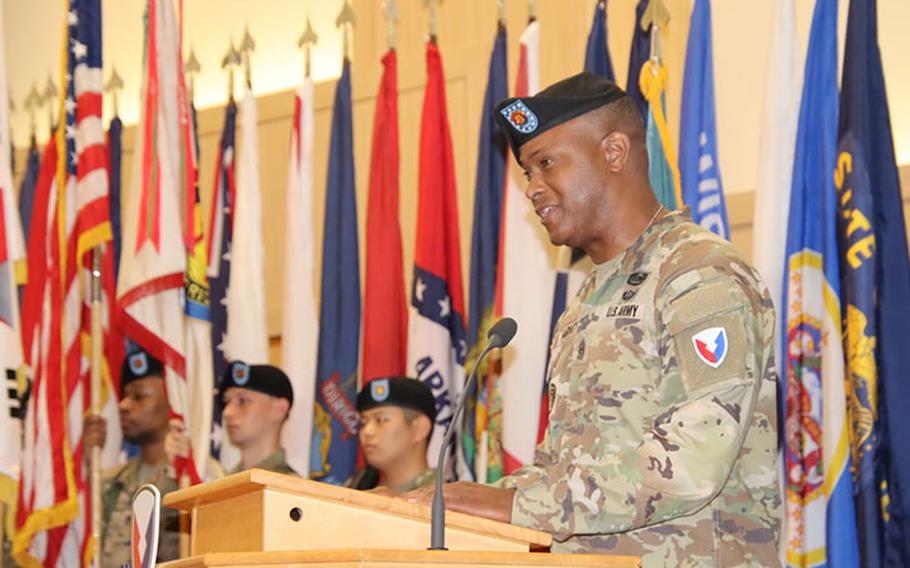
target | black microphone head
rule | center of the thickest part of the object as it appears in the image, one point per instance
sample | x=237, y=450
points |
x=502, y=332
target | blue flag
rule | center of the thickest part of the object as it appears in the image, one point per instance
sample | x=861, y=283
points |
x=27, y=186
x=699, y=167
x=219, y=255
x=597, y=52
x=488, y=194
x=820, y=523
x=115, y=155
x=876, y=282
x=335, y=421
x=641, y=51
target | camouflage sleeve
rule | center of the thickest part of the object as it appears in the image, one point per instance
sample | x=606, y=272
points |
x=688, y=452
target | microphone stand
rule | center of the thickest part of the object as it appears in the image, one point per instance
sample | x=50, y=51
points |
x=438, y=515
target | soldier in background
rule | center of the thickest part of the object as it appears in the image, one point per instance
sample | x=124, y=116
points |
x=662, y=433
x=144, y=420
x=396, y=420
x=256, y=402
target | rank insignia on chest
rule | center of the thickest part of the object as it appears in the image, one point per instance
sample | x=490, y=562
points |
x=711, y=346
x=622, y=311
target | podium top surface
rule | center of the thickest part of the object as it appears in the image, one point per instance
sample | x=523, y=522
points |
x=416, y=558
x=254, y=480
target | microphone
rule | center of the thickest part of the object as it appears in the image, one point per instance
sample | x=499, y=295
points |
x=498, y=337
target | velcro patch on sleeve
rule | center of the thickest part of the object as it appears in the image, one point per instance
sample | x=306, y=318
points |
x=707, y=328
x=712, y=351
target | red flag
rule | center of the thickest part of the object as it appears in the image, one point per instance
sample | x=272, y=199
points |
x=385, y=318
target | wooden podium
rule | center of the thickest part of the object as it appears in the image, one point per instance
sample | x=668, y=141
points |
x=260, y=518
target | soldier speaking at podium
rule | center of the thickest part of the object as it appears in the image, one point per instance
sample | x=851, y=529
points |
x=662, y=439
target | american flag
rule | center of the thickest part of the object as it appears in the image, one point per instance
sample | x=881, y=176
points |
x=54, y=489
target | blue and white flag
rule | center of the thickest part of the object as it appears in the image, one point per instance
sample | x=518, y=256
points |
x=335, y=421
x=820, y=522
x=699, y=167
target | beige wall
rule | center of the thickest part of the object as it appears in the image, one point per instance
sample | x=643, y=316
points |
x=465, y=38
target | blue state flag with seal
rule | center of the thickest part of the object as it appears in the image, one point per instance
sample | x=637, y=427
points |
x=820, y=526
x=875, y=276
x=334, y=444
x=699, y=167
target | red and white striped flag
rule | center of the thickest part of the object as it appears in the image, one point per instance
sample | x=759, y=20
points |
x=72, y=220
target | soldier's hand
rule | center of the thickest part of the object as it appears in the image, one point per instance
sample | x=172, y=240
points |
x=176, y=441
x=472, y=498
x=94, y=432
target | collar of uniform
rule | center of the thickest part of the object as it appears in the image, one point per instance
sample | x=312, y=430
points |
x=129, y=473
x=424, y=478
x=273, y=461
x=629, y=258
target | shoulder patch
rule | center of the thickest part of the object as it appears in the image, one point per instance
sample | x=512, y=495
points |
x=711, y=346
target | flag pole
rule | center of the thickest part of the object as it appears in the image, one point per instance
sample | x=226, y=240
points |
x=95, y=394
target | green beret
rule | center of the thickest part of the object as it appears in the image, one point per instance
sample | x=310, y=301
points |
x=521, y=119
x=260, y=378
x=398, y=391
x=139, y=365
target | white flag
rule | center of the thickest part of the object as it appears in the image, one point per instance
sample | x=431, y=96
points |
x=11, y=251
x=778, y=145
x=529, y=272
x=775, y=174
x=300, y=322
x=247, y=336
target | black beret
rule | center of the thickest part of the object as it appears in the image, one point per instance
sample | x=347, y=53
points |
x=398, y=391
x=521, y=119
x=139, y=365
x=260, y=378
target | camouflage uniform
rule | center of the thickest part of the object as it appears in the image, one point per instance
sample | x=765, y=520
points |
x=426, y=477
x=651, y=450
x=276, y=462
x=119, y=486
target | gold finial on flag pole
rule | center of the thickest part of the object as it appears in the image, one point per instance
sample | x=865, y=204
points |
x=33, y=103
x=247, y=47
x=390, y=10
x=656, y=17
x=434, y=17
x=192, y=68
x=307, y=40
x=346, y=17
x=50, y=94
x=114, y=84
x=532, y=10
x=230, y=60
x=656, y=14
x=501, y=13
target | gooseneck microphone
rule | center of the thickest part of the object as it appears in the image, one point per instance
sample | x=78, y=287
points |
x=498, y=337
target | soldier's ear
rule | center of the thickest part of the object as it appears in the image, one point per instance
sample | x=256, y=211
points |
x=616, y=147
x=281, y=407
x=421, y=428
